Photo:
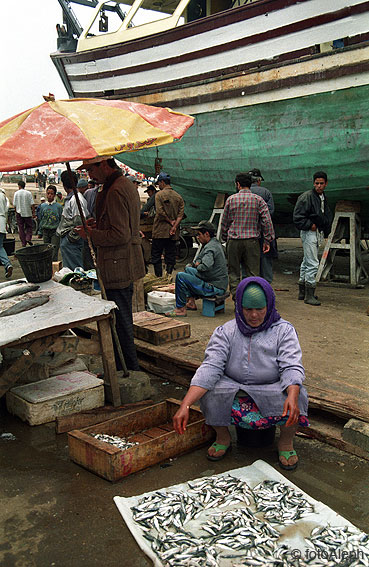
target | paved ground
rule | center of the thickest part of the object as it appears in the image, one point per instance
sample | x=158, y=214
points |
x=53, y=512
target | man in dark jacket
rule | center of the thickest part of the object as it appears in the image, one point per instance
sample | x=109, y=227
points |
x=208, y=275
x=116, y=235
x=314, y=219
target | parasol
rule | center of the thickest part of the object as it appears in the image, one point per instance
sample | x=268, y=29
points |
x=81, y=129
x=77, y=129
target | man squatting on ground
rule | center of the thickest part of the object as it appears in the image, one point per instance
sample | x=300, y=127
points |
x=206, y=276
x=169, y=207
x=116, y=235
x=266, y=260
x=313, y=218
x=245, y=218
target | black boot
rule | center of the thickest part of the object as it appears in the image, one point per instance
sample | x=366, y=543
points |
x=310, y=298
x=158, y=269
x=301, y=290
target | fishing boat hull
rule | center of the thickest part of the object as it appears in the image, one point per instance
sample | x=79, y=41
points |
x=279, y=85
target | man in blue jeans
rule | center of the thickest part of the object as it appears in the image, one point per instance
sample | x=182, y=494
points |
x=313, y=218
x=208, y=274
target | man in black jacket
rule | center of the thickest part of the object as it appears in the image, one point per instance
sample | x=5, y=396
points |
x=314, y=219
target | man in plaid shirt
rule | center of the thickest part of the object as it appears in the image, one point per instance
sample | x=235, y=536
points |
x=246, y=216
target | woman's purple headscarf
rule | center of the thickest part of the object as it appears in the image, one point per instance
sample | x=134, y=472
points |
x=272, y=314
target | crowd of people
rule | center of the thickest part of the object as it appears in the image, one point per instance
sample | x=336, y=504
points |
x=252, y=373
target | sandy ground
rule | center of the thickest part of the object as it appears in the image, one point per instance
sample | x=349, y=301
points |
x=54, y=513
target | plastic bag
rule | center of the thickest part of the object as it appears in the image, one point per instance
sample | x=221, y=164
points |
x=161, y=301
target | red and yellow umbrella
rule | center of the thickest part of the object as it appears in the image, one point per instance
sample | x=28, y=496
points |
x=77, y=129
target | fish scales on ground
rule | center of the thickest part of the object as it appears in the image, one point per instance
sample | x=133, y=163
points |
x=21, y=303
x=119, y=442
x=280, y=503
x=18, y=289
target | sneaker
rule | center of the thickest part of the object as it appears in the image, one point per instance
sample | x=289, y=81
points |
x=9, y=272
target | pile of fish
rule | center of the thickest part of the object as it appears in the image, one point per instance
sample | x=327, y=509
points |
x=18, y=296
x=346, y=545
x=240, y=530
x=119, y=442
x=280, y=503
x=237, y=535
x=220, y=491
x=182, y=549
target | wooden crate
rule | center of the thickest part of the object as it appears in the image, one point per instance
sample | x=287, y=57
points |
x=158, y=329
x=151, y=427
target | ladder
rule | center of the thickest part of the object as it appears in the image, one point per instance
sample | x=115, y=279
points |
x=217, y=210
x=346, y=217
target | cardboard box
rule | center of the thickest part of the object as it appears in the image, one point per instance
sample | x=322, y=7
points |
x=43, y=401
x=151, y=427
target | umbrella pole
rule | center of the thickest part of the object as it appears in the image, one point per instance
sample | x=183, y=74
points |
x=99, y=278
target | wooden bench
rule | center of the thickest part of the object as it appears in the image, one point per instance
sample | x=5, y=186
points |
x=210, y=305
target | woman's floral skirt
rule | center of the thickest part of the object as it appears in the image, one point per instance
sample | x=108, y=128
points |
x=246, y=414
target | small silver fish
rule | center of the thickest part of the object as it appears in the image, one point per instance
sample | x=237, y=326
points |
x=19, y=304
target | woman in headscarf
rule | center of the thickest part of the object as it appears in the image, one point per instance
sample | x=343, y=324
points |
x=251, y=376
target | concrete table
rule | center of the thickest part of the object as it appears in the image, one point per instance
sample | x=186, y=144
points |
x=41, y=329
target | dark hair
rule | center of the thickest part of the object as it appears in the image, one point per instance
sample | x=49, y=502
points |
x=244, y=179
x=151, y=187
x=65, y=179
x=21, y=184
x=204, y=230
x=320, y=174
x=52, y=187
x=91, y=182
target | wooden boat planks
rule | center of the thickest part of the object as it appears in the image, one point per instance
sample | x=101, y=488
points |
x=158, y=329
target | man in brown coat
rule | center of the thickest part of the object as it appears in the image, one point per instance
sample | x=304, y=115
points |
x=116, y=235
x=169, y=207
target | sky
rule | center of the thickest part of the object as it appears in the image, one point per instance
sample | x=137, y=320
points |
x=27, y=37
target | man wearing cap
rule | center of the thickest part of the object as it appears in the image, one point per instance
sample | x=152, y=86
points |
x=82, y=185
x=148, y=209
x=59, y=198
x=245, y=218
x=169, y=207
x=208, y=274
x=134, y=180
x=266, y=260
x=116, y=235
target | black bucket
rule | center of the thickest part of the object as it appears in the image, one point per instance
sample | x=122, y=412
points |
x=36, y=262
x=255, y=437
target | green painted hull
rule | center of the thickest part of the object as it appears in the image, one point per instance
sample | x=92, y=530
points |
x=288, y=140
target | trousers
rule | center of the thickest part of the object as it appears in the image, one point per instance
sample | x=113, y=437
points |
x=188, y=284
x=168, y=245
x=24, y=228
x=50, y=237
x=4, y=260
x=124, y=326
x=71, y=253
x=243, y=253
x=310, y=262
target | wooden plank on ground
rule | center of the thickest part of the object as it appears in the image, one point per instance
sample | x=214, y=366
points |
x=157, y=329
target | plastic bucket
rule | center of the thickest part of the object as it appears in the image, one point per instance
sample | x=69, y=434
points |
x=36, y=262
x=255, y=437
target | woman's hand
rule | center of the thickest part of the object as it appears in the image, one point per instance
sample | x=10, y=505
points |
x=291, y=406
x=180, y=419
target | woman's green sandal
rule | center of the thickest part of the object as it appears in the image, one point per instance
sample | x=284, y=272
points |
x=217, y=448
x=287, y=455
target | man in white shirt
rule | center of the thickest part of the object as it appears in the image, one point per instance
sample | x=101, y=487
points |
x=24, y=211
x=4, y=260
x=71, y=244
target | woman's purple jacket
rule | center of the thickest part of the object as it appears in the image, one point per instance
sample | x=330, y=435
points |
x=262, y=364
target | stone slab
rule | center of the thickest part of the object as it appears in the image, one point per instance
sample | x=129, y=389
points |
x=135, y=388
x=357, y=433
